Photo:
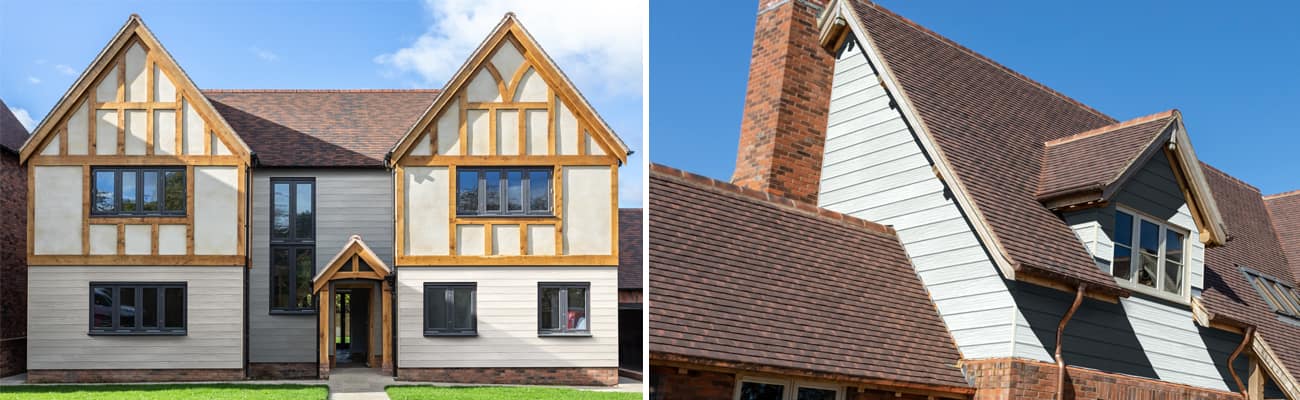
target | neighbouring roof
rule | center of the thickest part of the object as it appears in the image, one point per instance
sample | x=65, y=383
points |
x=1284, y=208
x=1255, y=245
x=629, y=248
x=12, y=131
x=745, y=278
x=320, y=128
x=1094, y=161
x=990, y=125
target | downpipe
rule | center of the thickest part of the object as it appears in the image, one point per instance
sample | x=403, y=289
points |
x=1245, y=341
x=1060, y=328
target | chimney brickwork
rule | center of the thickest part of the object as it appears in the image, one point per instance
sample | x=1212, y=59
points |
x=784, y=126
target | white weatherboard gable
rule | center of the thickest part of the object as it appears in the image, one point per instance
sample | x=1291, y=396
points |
x=872, y=169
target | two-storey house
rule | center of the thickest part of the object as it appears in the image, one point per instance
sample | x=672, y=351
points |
x=467, y=234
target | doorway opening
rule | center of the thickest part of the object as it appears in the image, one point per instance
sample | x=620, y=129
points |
x=355, y=293
x=352, y=326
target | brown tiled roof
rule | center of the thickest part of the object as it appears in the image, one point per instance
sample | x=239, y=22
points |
x=629, y=248
x=746, y=278
x=1094, y=160
x=1284, y=208
x=321, y=128
x=990, y=125
x=12, y=132
x=1255, y=245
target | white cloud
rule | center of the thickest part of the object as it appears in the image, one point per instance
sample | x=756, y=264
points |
x=597, y=43
x=34, y=80
x=25, y=118
x=64, y=69
x=264, y=54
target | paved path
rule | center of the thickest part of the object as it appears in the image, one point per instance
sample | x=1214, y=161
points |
x=358, y=384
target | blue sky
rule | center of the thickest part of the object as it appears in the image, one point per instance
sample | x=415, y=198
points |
x=330, y=44
x=1231, y=70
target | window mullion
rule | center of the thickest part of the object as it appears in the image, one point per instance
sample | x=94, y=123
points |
x=449, y=299
x=563, y=311
x=117, y=305
x=162, y=307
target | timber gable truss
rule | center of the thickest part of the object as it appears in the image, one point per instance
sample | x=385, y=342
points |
x=135, y=108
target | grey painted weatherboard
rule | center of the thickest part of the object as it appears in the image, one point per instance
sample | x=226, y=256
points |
x=873, y=168
x=59, y=317
x=348, y=202
x=1141, y=335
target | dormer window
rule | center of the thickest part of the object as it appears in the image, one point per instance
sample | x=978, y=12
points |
x=1149, y=255
x=1281, y=298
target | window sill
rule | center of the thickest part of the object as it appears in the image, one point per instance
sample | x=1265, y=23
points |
x=574, y=334
x=491, y=216
x=1147, y=291
x=446, y=334
x=309, y=311
x=158, y=333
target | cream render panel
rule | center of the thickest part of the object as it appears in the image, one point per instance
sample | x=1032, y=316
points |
x=137, y=85
x=103, y=239
x=470, y=240
x=507, y=60
x=587, y=213
x=541, y=240
x=138, y=240
x=505, y=240
x=507, y=132
x=57, y=210
x=191, y=129
x=51, y=148
x=57, y=336
x=507, y=319
x=476, y=132
x=165, y=131
x=566, y=130
x=107, y=89
x=427, y=211
x=531, y=87
x=482, y=88
x=216, y=202
x=422, y=147
x=449, y=130
x=171, y=239
x=164, y=90
x=78, y=131
x=536, y=133
x=105, y=132
x=137, y=122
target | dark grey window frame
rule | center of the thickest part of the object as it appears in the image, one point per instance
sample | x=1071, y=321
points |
x=429, y=330
x=139, y=190
x=139, y=329
x=1258, y=280
x=564, y=305
x=292, y=244
x=504, y=208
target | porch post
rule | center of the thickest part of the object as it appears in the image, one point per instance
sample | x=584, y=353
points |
x=323, y=309
x=387, y=365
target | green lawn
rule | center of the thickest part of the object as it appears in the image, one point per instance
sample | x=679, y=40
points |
x=502, y=393
x=165, y=392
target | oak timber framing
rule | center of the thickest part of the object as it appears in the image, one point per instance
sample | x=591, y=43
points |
x=559, y=90
x=111, y=64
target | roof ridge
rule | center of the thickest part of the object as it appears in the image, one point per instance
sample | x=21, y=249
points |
x=785, y=202
x=320, y=90
x=1281, y=195
x=986, y=59
x=1112, y=127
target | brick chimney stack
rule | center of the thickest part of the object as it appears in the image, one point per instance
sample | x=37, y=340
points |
x=784, y=126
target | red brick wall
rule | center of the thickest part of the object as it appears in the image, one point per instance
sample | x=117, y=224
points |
x=669, y=383
x=783, y=129
x=282, y=370
x=132, y=375
x=1016, y=379
x=13, y=265
x=519, y=376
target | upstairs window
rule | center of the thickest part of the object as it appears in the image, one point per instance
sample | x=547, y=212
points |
x=510, y=191
x=149, y=191
x=151, y=308
x=1149, y=255
x=1281, y=297
x=293, y=244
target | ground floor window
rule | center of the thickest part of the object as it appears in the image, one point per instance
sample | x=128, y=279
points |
x=564, y=309
x=751, y=388
x=151, y=308
x=449, y=309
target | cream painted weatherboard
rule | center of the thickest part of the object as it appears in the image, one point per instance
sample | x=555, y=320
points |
x=507, y=319
x=57, y=339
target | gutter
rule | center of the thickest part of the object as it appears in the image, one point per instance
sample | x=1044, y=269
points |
x=1060, y=328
